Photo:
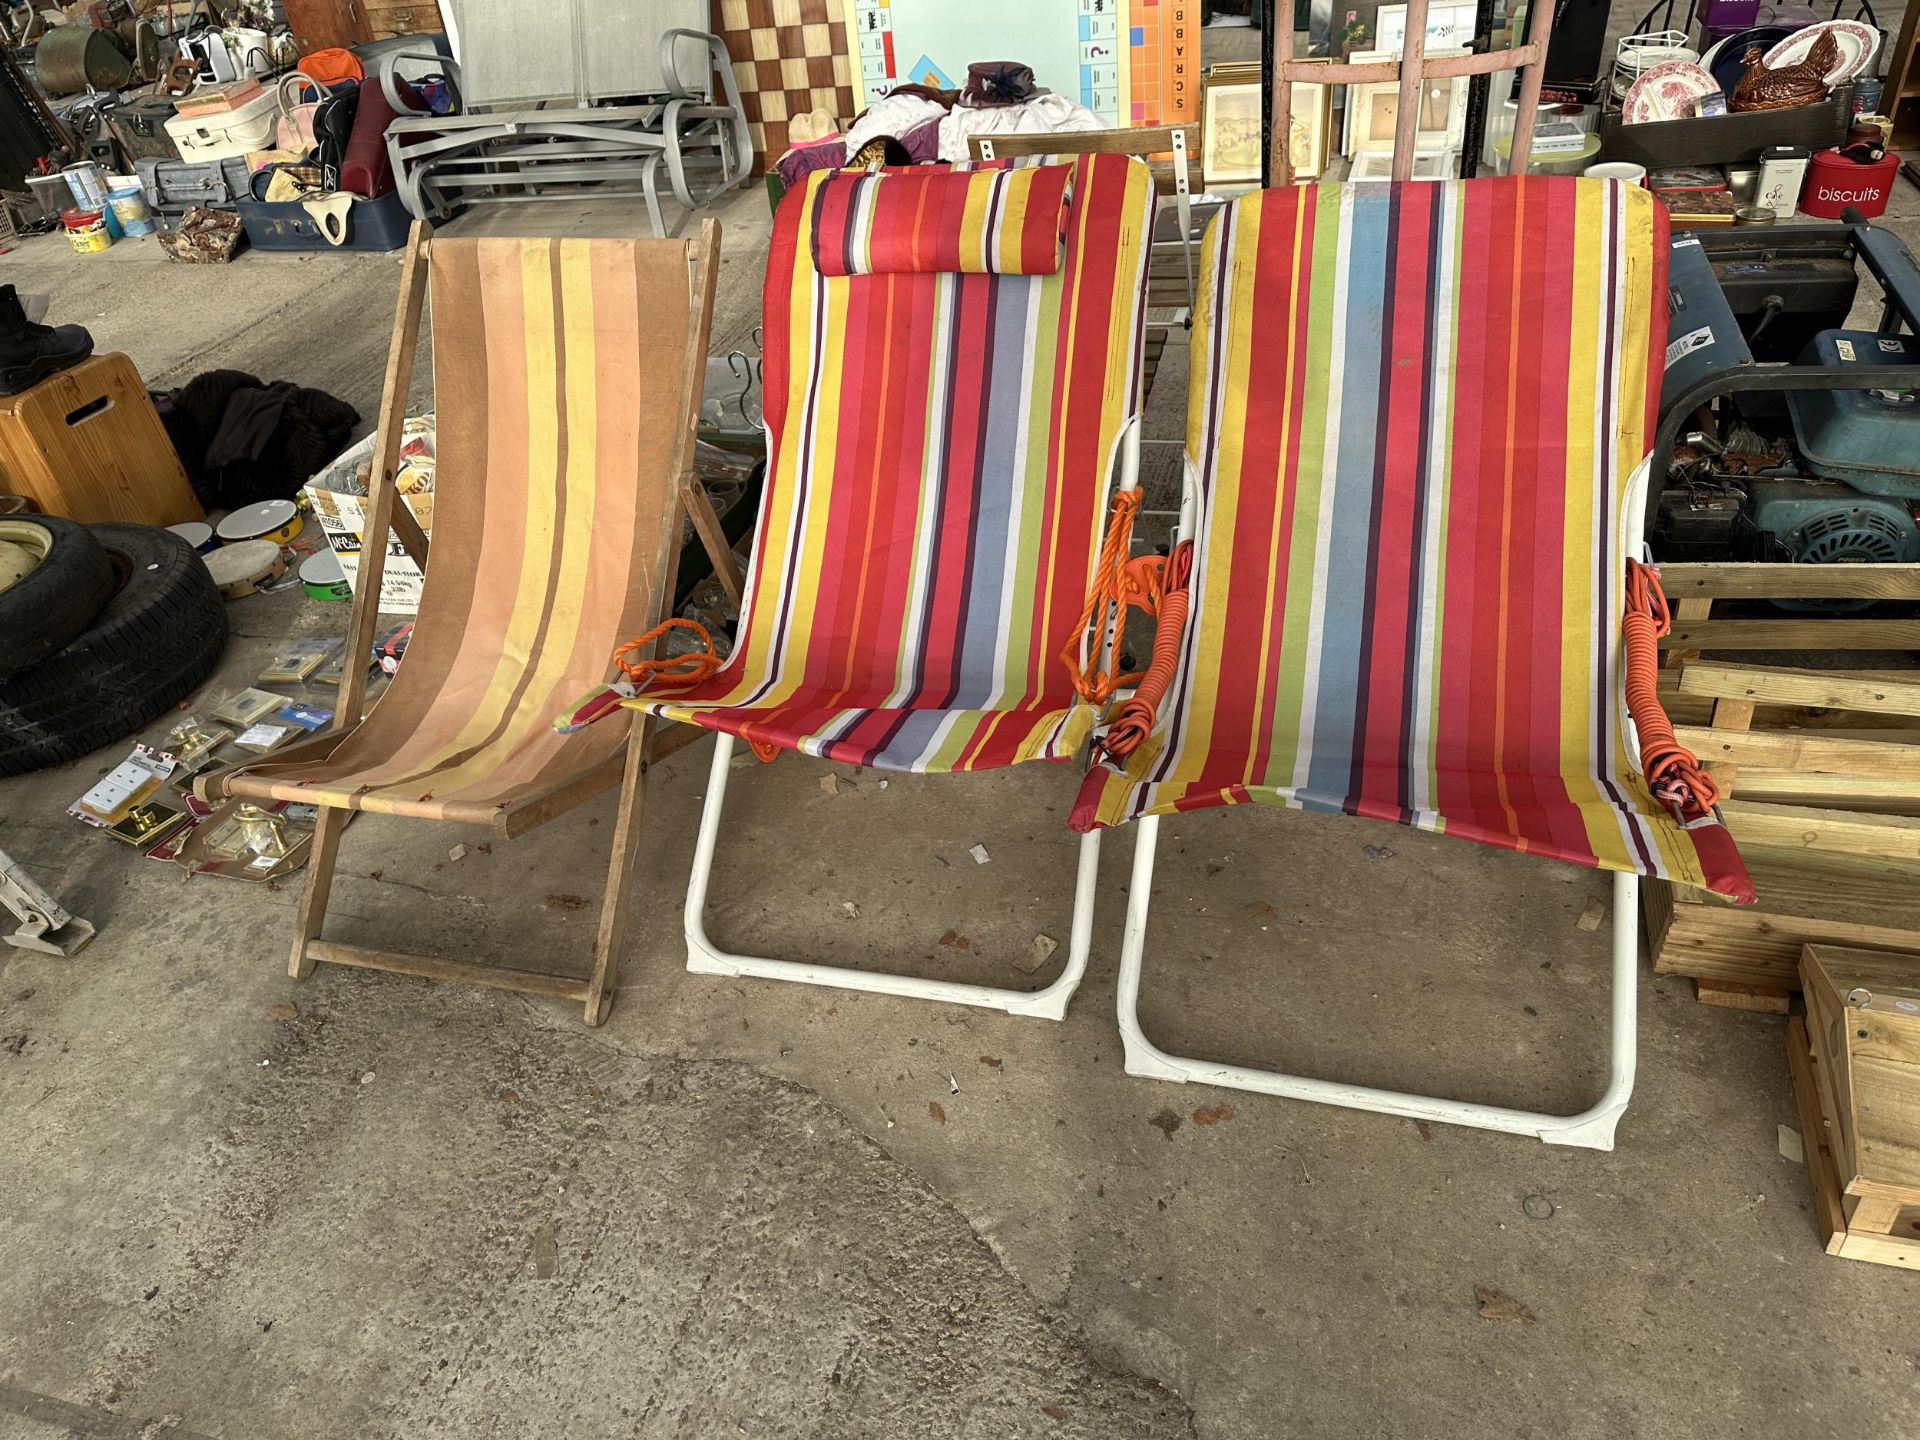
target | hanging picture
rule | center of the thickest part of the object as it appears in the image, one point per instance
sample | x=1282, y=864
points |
x=1450, y=26
x=1230, y=130
x=1373, y=112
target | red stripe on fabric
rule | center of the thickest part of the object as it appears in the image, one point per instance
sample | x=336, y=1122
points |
x=1247, y=691
x=1379, y=742
x=1295, y=312
x=916, y=221
x=1465, y=779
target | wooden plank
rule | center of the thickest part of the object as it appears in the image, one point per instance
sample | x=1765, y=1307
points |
x=1804, y=752
x=1742, y=580
x=1873, y=692
x=1732, y=995
x=1803, y=899
x=382, y=493
x=432, y=967
x=1829, y=1216
x=1146, y=140
x=1793, y=635
x=1826, y=832
x=1903, y=1252
x=1864, y=794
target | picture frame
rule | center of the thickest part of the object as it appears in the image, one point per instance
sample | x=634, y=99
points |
x=1450, y=26
x=1232, y=123
x=1372, y=112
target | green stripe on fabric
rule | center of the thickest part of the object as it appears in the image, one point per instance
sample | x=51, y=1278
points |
x=1319, y=420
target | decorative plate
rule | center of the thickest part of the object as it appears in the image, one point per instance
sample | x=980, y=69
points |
x=1858, y=45
x=1667, y=92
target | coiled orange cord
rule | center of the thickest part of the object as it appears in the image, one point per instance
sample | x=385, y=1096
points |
x=672, y=670
x=1134, y=720
x=1672, y=770
x=1110, y=588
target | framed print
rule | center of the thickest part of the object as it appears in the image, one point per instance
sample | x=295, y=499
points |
x=1373, y=113
x=1450, y=25
x=1230, y=130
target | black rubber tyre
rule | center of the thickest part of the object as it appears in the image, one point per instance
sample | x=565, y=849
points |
x=158, y=637
x=53, y=603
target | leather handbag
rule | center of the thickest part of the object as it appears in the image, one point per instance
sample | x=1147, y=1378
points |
x=294, y=130
x=333, y=128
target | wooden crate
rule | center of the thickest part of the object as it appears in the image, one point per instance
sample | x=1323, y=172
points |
x=1883, y=1229
x=87, y=444
x=1863, y=1014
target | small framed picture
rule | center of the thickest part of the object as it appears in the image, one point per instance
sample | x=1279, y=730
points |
x=1231, y=124
x=1449, y=26
x=1373, y=113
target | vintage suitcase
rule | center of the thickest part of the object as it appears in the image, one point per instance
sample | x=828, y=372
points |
x=174, y=187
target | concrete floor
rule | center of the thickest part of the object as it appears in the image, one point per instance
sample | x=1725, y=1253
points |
x=770, y=1211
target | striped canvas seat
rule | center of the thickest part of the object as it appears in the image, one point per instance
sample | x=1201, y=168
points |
x=557, y=374
x=940, y=447
x=1415, y=414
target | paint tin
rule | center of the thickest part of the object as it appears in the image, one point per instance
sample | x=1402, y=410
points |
x=1754, y=215
x=86, y=231
x=275, y=520
x=321, y=575
x=130, y=207
x=196, y=533
x=88, y=184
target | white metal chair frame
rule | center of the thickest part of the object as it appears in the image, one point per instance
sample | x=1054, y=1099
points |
x=1591, y=1128
x=438, y=159
x=705, y=957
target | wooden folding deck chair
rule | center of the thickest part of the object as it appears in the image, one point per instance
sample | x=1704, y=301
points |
x=952, y=371
x=567, y=377
x=1417, y=467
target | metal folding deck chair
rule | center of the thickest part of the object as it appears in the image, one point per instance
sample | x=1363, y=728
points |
x=952, y=373
x=581, y=99
x=567, y=376
x=1417, y=467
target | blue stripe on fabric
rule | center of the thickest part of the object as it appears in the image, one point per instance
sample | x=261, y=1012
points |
x=1346, y=605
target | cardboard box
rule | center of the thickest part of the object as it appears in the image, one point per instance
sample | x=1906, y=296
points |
x=344, y=519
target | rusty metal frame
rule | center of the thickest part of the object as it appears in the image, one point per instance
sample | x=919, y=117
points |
x=1411, y=70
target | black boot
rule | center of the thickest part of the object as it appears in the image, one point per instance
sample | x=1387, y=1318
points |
x=28, y=352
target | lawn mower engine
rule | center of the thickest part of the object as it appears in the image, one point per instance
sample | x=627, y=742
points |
x=1826, y=522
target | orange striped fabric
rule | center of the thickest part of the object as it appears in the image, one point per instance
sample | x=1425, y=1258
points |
x=557, y=371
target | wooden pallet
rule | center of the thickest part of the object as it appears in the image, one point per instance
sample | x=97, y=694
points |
x=1883, y=1229
x=1827, y=767
x=1694, y=589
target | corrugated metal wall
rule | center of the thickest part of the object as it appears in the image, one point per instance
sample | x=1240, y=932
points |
x=24, y=132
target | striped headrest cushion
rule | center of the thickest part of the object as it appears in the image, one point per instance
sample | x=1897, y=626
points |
x=998, y=222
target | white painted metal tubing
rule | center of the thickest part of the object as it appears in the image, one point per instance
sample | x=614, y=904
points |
x=1592, y=1127
x=704, y=957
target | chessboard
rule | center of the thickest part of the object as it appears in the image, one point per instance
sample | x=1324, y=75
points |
x=789, y=57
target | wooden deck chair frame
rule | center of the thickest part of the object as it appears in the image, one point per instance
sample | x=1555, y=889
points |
x=1591, y=1128
x=705, y=957
x=1410, y=71
x=629, y=771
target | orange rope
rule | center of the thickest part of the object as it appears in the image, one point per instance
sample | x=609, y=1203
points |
x=1134, y=721
x=674, y=670
x=1671, y=769
x=1110, y=588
